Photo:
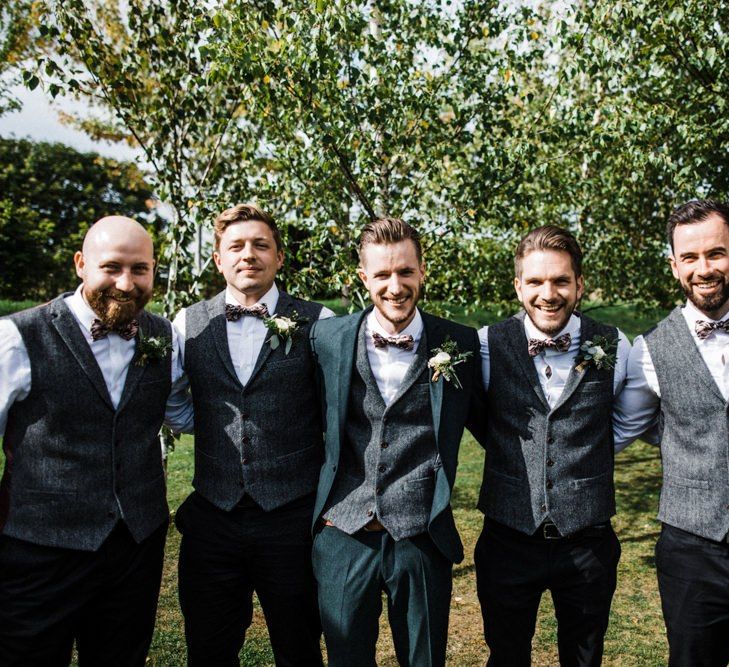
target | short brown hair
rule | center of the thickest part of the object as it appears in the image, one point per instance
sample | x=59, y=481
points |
x=696, y=210
x=243, y=213
x=389, y=230
x=549, y=237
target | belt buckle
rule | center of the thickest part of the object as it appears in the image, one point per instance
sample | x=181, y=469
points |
x=550, y=532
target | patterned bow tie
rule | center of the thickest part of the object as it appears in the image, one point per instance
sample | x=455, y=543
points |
x=234, y=313
x=404, y=342
x=561, y=344
x=100, y=330
x=704, y=329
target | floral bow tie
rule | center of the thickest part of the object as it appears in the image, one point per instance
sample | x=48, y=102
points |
x=704, y=329
x=561, y=344
x=100, y=330
x=234, y=313
x=404, y=342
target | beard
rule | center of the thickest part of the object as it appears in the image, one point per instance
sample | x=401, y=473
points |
x=707, y=303
x=113, y=313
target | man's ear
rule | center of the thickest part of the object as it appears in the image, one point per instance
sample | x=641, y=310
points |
x=80, y=262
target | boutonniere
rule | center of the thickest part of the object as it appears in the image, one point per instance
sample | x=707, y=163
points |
x=444, y=361
x=152, y=348
x=600, y=352
x=283, y=329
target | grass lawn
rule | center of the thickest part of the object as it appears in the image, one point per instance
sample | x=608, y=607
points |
x=636, y=633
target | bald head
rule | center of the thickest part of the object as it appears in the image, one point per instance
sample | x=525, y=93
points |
x=117, y=231
x=116, y=266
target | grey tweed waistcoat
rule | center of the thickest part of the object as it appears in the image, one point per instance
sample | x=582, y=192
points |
x=540, y=461
x=388, y=461
x=695, y=433
x=264, y=439
x=75, y=464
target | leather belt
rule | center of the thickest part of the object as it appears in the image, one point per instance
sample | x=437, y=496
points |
x=373, y=526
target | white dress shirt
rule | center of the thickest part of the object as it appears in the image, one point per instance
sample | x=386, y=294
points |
x=246, y=335
x=553, y=369
x=389, y=364
x=112, y=353
x=714, y=350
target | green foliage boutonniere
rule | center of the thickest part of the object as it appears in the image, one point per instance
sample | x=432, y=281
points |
x=283, y=329
x=444, y=360
x=600, y=352
x=152, y=348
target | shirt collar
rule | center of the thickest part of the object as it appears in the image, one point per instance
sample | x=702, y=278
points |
x=415, y=328
x=270, y=298
x=80, y=309
x=691, y=314
x=572, y=328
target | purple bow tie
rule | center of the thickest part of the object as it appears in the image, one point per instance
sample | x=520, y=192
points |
x=704, y=329
x=100, y=330
x=234, y=313
x=403, y=342
x=561, y=344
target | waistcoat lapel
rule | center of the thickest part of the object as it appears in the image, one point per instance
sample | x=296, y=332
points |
x=519, y=345
x=687, y=353
x=574, y=378
x=284, y=308
x=218, y=327
x=65, y=323
x=347, y=360
x=135, y=372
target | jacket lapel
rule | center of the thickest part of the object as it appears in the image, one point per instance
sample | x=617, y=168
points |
x=68, y=329
x=520, y=347
x=218, y=327
x=346, y=363
x=433, y=336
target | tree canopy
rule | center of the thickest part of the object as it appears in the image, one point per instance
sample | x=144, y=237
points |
x=475, y=120
x=50, y=194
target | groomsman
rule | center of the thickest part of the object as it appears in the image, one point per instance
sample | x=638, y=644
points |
x=682, y=365
x=83, y=513
x=398, y=387
x=258, y=449
x=555, y=418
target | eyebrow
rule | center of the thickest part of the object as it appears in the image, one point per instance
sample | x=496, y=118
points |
x=696, y=252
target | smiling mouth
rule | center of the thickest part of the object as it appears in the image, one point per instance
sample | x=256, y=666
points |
x=707, y=285
x=550, y=309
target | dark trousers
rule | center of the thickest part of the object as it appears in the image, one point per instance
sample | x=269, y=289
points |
x=105, y=600
x=224, y=557
x=693, y=580
x=352, y=571
x=514, y=569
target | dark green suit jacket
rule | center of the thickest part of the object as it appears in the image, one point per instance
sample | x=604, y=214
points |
x=333, y=343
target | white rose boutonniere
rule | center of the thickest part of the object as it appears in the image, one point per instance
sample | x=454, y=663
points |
x=284, y=329
x=600, y=352
x=152, y=348
x=444, y=361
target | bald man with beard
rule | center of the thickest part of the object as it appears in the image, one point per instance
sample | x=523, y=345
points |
x=83, y=510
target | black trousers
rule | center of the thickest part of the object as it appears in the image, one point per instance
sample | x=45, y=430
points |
x=224, y=557
x=105, y=600
x=514, y=569
x=693, y=580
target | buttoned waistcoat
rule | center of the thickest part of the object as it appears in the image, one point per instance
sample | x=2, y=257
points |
x=542, y=461
x=694, y=421
x=334, y=343
x=75, y=464
x=263, y=439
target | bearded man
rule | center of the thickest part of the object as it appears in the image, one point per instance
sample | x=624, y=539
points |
x=84, y=387
x=682, y=366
